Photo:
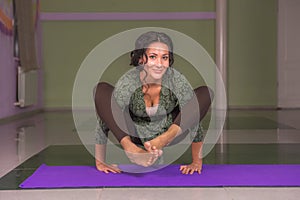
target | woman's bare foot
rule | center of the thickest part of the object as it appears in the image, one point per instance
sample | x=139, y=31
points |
x=138, y=155
x=158, y=143
x=151, y=147
x=155, y=145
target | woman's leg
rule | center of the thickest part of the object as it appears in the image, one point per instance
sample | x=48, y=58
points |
x=104, y=106
x=120, y=124
x=202, y=98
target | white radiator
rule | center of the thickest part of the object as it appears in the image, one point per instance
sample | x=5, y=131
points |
x=27, y=88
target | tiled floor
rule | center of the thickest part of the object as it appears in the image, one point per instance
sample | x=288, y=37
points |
x=249, y=137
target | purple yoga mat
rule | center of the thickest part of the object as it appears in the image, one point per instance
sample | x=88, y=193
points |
x=170, y=176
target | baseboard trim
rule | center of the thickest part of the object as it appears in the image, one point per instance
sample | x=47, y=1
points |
x=252, y=108
x=20, y=116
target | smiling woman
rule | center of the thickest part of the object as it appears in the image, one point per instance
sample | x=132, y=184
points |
x=144, y=109
x=157, y=62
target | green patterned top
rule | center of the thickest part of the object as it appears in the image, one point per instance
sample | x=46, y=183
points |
x=175, y=93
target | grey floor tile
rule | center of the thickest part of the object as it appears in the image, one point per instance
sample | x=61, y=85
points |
x=278, y=193
x=164, y=193
x=61, y=194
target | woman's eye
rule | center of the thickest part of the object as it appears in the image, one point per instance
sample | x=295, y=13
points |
x=166, y=58
x=152, y=57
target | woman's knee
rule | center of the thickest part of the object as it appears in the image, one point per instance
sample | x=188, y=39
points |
x=204, y=92
x=104, y=86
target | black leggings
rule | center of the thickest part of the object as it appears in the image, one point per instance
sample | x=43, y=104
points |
x=120, y=123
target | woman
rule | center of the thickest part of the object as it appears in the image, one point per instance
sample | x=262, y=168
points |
x=145, y=109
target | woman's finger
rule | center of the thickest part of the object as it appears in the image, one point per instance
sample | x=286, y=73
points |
x=185, y=170
x=115, y=168
x=182, y=167
x=192, y=171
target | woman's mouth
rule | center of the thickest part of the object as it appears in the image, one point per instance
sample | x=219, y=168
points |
x=158, y=71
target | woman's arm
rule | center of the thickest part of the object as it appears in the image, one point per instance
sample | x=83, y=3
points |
x=100, y=155
x=196, y=165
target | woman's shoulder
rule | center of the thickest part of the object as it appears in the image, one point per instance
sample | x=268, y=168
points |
x=130, y=77
x=127, y=85
x=176, y=76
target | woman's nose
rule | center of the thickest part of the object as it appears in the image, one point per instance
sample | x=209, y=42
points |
x=159, y=62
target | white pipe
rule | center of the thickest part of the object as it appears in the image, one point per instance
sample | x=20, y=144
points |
x=221, y=61
x=221, y=46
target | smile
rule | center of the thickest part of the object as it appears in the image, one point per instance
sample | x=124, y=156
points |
x=158, y=71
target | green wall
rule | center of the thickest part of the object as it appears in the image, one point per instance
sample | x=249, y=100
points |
x=126, y=5
x=251, y=44
x=252, y=53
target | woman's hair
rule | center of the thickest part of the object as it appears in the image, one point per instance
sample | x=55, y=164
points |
x=143, y=42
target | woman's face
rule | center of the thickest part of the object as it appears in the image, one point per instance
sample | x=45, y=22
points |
x=158, y=61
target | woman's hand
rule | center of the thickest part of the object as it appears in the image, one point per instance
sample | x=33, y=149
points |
x=191, y=168
x=106, y=168
x=196, y=165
